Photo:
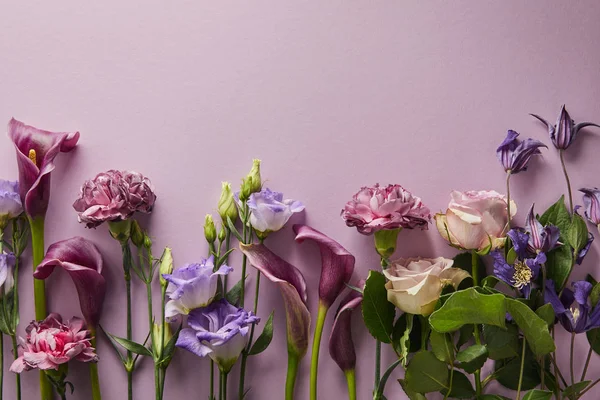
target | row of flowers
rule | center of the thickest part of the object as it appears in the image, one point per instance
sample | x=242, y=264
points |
x=454, y=318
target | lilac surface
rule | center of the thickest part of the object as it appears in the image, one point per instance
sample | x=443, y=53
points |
x=331, y=97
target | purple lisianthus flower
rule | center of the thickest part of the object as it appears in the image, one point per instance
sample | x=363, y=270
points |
x=514, y=155
x=572, y=308
x=591, y=203
x=541, y=238
x=525, y=270
x=270, y=212
x=563, y=133
x=10, y=201
x=192, y=286
x=219, y=331
x=7, y=265
x=114, y=196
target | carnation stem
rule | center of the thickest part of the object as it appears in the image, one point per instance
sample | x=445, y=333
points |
x=314, y=362
x=94, y=378
x=564, y=168
x=475, y=275
x=351, y=381
x=522, y=367
x=292, y=371
x=39, y=290
x=127, y=261
x=16, y=355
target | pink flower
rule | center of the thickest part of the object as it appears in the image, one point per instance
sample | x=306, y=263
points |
x=475, y=220
x=51, y=343
x=114, y=196
x=373, y=209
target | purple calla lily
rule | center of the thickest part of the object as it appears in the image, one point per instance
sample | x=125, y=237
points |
x=341, y=346
x=36, y=150
x=514, y=155
x=564, y=132
x=572, y=308
x=83, y=262
x=541, y=238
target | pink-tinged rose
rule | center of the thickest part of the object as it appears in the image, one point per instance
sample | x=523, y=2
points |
x=373, y=209
x=50, y=343
x=114, y=196
x=476, y=220
x=415, y=284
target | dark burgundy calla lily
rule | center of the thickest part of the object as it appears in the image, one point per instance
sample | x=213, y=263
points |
x=341, y=346
x=337, y=264
x=36, y=150
x=82, y=260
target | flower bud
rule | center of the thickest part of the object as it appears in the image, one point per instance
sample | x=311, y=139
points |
x=166, y=265
x=210, y=231
x=147, y=242
x=227, y=207
x=253, y=177
x=161, y=334
x=120, y=230
x=137, y=234
x=222, y=234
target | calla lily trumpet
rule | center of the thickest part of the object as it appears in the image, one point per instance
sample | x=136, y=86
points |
x=83, y=262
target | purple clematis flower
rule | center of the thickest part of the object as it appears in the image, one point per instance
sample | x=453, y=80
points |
x=582, y=253
x=525, y=270
x=341, y=346
x=10, y=202
x=220, y=331
x=541, y=238
x=36, y=150
x=572, y=308
x=7, y=265
x=514, y=155
x=564, y=132
x=270, y=212
x=192, y=286
x=81, y=259
x=591, y=203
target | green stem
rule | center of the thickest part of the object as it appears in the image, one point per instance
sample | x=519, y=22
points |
x=39, y=290
x=587, y=364
x=571, y=358
x=522, y=368
x=1, y=364
x=450, y=382
x=508, y=197
x=292, y=371
x=475, y=275
x=16, y=355
x=314, y=362
x=223, y=386
x=212, y=380
x=94, y=378
x=564, y=168
x=351, y=381
x=244, y=258
x=377, y=364
x=227, y=247
x=163, y=374
x=127, y=263
x=556, y=370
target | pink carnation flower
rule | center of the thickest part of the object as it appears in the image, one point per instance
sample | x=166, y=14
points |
x=373, y=209
x=114, y=196
x=50, y=343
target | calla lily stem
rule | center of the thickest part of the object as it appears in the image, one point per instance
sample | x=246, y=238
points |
x=351, y=381
x=314, y=362
x=94, y=370
x=292, y=371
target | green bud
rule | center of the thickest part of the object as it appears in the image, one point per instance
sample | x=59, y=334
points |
x=159, y=341
x=166, y=265
x=120, y=230
x=147, y=242
x=227, y=206
x=385, y=243
x=137, y=234
x=255, y=181
x=210, y=231
x=222, y=234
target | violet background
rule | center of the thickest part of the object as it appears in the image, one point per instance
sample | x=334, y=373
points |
x=331, y=96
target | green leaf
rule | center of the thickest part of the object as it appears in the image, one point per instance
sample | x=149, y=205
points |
x=501, y=343
x=558, y=264
x=233, y=229
x=577, y=235
x=461, y=387
x=442, y=347
x=511, y=256
x=593, y=337
x=575, y=389
x=595, y=295
x=384, y=379
x=464, y=261
x=264, y=339
x=492, y=397
x=557, y=214
x=465, y=334
x=412, y=342
x=533, y=327
x=537, y=394
x=591, y=279
x=469, y=307
x=131, y=345
x=169, y=349
x=472, y=358
x=425, y=373
x=546, y=312
x=412, y=395
x=234, y=294
x=378, y=312
x=489, y=281
x=507, y=372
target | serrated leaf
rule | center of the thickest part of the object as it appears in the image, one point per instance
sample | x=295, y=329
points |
x=533, y=327
x=265, y=337
x=401, y=327
x=501, y=343
x=507, y=372
x=537, y=394
x=442, y=347
x=425, y=373
x=378, y=313
x=461, y=387
x=472, y=358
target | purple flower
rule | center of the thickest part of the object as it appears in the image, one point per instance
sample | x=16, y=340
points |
x=192, y=286
x=114, y=196
x=591, y=203
x=514, y=155
x=219, y=331
x=373, y=209
x=10, y=202
x=36, y=150
x=341, y=346
x=270, y=212
x=582, y=253
x=7, y=265
x=541, y=238
x=572, y=308
x=563, y=133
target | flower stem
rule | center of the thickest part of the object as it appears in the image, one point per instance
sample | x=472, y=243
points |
x=314, y=362
x=292, y=371
x=450, y=383
x=16, y=355
x=223, y=394
x=508, y=197
x=351, y=381
x=564, y=168
x=587, y=364
x=1, y=364
x=127, y=262
x=244, y=257
x=475, y=275
x=39, y=289
x=556, y=370
x=94, y=378
x=212, y=380
x=522, y=368
x=571, y=358
x=227, y=247
x=377, y=364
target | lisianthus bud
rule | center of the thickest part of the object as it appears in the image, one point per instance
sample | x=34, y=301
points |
x=222, y=234
x=227, y=207
x=159, y=341
x=166, y=265
x=137, y=234
x=210, y=231
x=120, y=230
x=147, y=242
x=252, y=183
